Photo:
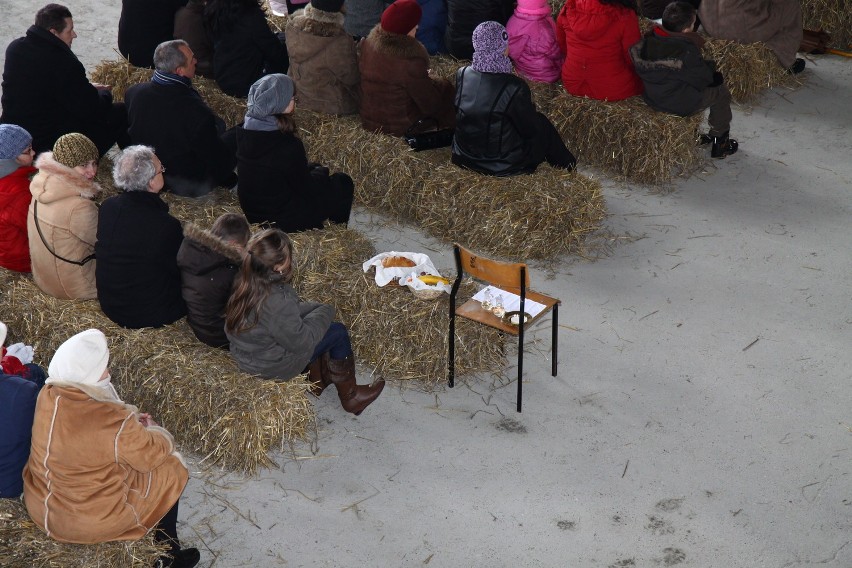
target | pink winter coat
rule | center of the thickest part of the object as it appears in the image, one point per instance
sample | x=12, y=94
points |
x=533, y=47
x=596, y=38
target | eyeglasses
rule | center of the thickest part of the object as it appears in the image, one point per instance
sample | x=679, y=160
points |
x=162, y=170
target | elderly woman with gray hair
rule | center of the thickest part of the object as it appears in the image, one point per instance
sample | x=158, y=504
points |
x=137, y=275
x=278, y=186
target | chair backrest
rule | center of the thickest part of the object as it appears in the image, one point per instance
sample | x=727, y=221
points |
x=506, y=275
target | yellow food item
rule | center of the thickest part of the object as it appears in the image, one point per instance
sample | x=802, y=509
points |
x=432, y=280
x=397, y=262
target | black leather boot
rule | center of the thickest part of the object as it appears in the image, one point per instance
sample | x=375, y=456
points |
x=723, y=146
x=354, y=398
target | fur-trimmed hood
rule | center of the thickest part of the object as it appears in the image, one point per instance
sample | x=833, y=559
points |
x=55, y=181
x=203, y=251
x=396, y=45
x=317, y=22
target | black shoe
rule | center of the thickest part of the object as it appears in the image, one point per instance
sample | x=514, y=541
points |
x=704, y=139
x=797, y=67
x=184, y=558
x=723, y=146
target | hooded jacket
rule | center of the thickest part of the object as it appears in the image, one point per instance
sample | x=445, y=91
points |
x=776, y=22
x=137, y=273
x=68, y=219
x=208, y=266
x=14, y=201
x=533, y=47
x=95, y=473
x=17, y=407
x=595, y=38
x=672, y=70
x=323, y=62
x=45, y=90
x=396, y=90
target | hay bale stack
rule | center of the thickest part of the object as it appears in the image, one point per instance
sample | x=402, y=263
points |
x=832, y=16
x=24, y=545
x=628, y=138
x=230, y=418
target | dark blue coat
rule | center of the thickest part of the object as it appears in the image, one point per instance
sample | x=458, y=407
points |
x=433, y=25
x=17, y=408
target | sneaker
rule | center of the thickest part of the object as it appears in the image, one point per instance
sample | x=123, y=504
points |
x=797, y=67
x=184, y=558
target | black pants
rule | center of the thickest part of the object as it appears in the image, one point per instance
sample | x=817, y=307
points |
x=718, y=99
x=166, y=529
x=111, y=131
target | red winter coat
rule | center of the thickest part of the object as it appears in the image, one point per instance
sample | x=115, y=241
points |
x=596, y=38
x=14, y=201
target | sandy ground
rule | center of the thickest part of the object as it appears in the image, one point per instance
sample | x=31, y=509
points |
x=701, y=416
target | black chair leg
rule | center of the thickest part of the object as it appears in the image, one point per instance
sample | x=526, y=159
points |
x=555, y=338
x=451, y=358
x=520, y=365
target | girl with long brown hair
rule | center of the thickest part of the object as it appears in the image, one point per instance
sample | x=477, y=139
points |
x=276, y=335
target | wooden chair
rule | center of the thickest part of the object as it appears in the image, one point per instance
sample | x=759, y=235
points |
x=512, y=277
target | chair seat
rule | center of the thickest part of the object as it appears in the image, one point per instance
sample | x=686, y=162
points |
x=472, y=310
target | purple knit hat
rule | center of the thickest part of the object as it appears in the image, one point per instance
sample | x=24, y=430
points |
x=490, y=42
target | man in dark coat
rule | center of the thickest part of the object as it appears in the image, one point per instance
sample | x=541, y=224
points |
x=137, y=276
x=676, y=78
x=45, y=89
x=143, y=25
x=168, y=114
x=208, y=262
x=464, y=15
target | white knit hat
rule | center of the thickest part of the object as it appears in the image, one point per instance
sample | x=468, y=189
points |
x=3, y=331
x=81, y=359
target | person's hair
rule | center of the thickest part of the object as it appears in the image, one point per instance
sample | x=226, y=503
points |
x=168, y=56
x=134, y=168
x=678, y=16
x=220, y=16
x=232, y=227
x=265, y=251
x=286, y=121
x=629, y=4
x=52, y=17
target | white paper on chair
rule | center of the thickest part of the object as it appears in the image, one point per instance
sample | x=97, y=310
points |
x=512, y=302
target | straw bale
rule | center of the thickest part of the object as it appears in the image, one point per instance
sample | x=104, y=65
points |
x=833, y=16
x=628, y=138
x=275, y=23
x=749, y=68
x=24, y=545
x=195, y=391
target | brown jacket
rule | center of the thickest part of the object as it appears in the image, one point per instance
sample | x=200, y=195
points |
x=323, y=62
x=396, y=90
x=95, y=474
x=776, y=22
x=68, y=220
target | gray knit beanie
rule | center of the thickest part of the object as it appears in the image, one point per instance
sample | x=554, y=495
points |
x=269, y=95
x=13, y=141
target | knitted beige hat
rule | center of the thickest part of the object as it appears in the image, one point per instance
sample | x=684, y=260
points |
x=74, y=150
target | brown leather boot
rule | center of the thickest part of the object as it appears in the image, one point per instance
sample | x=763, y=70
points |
x=317, y=377
x=354, y=398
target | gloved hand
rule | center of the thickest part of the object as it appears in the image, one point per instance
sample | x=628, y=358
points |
x=718, y=79
x=24, y=353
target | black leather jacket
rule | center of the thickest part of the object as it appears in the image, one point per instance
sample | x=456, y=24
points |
x=496, y=123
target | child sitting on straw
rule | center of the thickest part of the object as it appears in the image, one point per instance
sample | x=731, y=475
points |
x=678, y=81
x=208, y=262
x=276, y=335
x=16, y=170
x=532, y=42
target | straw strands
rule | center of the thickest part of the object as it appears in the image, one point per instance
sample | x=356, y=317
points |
x=24, y=545
x=833, y=16
x=748, y=68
